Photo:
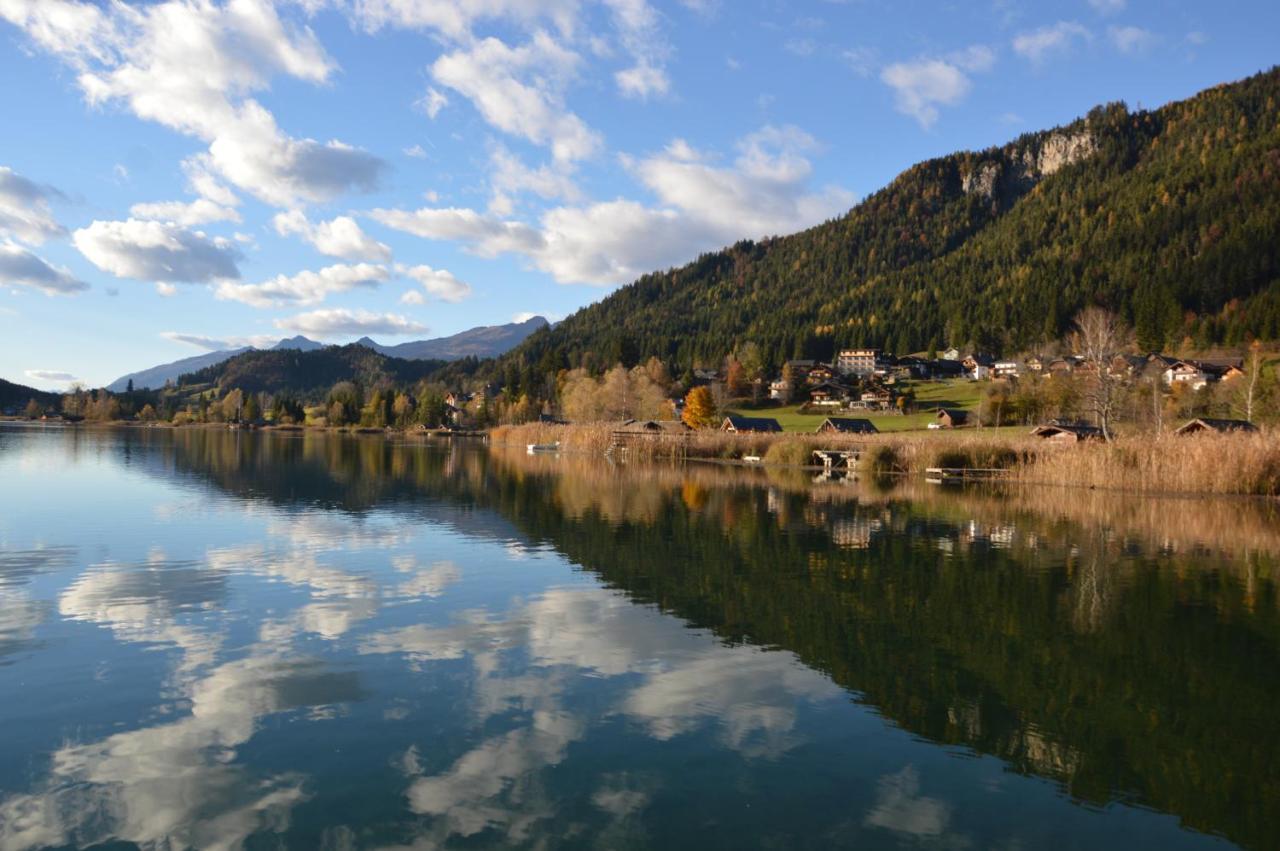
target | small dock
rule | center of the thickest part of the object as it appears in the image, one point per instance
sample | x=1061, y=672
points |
x=836, y=459
x=961, y=475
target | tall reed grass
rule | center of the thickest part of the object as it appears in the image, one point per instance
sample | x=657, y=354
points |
x=1209, y=463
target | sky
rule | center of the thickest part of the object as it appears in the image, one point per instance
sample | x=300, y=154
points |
x=189, y=175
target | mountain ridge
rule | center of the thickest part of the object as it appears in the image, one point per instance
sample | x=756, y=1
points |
x=481, y=341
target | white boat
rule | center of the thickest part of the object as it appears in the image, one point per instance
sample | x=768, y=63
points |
x=537, y=448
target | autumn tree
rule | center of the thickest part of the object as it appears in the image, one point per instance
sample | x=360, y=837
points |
x=33, y=410
x=1100, y=336
x=699, y=408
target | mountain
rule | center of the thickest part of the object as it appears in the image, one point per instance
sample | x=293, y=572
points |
x=1169, y=217
x=309, y=374
x=157, y=376
x=15, y=396
x=483, y=342
x=299, y=343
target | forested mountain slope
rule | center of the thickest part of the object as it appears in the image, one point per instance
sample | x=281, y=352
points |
x=308, y=373
x=1171, y=217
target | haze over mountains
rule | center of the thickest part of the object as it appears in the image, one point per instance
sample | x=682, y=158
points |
x=482, y=342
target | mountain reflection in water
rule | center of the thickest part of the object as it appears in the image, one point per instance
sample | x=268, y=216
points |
x=228, y=639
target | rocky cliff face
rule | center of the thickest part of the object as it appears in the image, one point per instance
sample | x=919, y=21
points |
x=1008, y=173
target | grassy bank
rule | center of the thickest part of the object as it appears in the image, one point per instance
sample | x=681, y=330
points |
x=1239, y=464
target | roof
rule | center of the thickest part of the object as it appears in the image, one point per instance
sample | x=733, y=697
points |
x=849, y=425
x=652, y=426
x=1081, y=431
x=750, y=424
x=955, y=414
x=1218, y=425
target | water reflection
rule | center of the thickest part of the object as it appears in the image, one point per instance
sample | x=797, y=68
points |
x=516, y=650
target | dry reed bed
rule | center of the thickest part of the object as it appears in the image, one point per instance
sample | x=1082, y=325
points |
x=1204, y=464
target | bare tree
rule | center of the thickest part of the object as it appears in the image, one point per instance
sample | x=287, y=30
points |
x=1100, y=336
x=1255, y=367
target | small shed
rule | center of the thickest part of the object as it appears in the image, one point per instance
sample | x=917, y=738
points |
x=847, y=425
x=1204, y=424
x=750, y=424
x=1067, y=432
x=952, y=418
x=641, y=427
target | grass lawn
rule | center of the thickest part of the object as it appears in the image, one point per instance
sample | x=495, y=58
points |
x=929, y=396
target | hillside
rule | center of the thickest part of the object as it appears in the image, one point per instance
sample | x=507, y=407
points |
x=486, y=341
x=15, y=396
x=1168, y=216
x=308, y=374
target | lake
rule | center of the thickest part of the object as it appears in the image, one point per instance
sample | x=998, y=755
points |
x=221, y=639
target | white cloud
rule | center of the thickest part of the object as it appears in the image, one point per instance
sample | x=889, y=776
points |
x=1044, y=43
x=306, y=287
x=510, y=176
x=156, y=251
x=923, y=85
x=1108, y=7
x=432, y=102
x=20, y=268
x=339, y=237
x=51, y=375
x=24, y=209
x=520, y=91
x=703, y=207
x=218, y=344
x=487, y=235
x=413, y=297
x=198, y=212
x=642, y=81
x=861, y=60
x=327, y=324
x=439, y=283
x=188, y=66
x=417, y=152
x=1130, y=39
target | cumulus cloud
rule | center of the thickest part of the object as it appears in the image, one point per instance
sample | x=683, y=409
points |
x=24, y=209
x=52, y=376
x=306, y=287
x=519, y=90
x=187, y=214
x=438, y=283
x=1046, y=42
x=328, y=324
x=20, y=268
x=339, y=237
x=189, y=67
x=157, y=251
x=703, y=206
x=923, y=85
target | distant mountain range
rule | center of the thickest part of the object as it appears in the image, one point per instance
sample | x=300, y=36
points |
x=483, y=342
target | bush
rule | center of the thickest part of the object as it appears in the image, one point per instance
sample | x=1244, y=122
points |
x=883, y=459
x=792, y=453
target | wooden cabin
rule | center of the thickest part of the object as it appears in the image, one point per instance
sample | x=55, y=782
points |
x=847, y=425
x=1067, y=432
x=951, y=418
x=1209, y=424
x=745, y=425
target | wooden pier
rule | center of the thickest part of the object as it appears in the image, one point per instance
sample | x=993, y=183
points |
x=836, y=459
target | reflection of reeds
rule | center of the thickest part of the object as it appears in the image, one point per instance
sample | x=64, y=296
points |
x=1233, y=528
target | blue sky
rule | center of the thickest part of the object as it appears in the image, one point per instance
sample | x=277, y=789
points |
x=178, y=176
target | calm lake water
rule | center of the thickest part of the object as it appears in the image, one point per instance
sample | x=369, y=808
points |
x=222, y=640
